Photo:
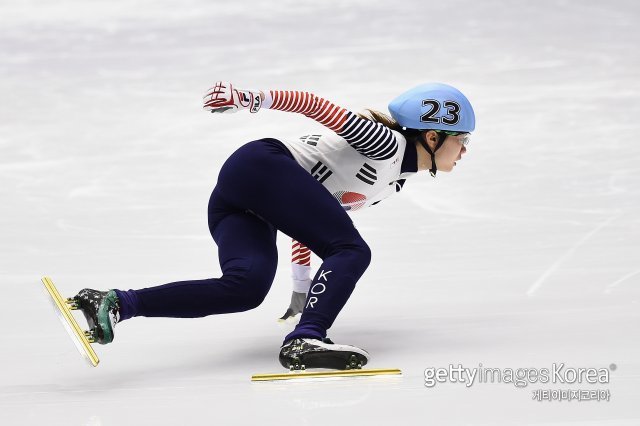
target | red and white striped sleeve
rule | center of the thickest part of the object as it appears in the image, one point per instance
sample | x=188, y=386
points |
x=373, y=140
x=300, y=254
x=300, y=267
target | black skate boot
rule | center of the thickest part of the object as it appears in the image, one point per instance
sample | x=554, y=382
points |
x=102, y=311
x=300, y=354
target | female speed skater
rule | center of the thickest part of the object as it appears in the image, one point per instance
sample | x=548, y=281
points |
x=303, y=188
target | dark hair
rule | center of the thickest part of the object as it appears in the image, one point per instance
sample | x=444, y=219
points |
x=411, y=135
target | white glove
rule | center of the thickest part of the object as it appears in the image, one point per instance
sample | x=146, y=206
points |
x=222, y=97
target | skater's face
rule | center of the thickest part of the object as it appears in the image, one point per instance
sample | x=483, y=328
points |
x=451, y=150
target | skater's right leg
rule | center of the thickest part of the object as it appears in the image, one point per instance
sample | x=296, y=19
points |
x=248, y=259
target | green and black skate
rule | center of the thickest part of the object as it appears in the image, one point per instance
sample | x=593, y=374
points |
x=101, y=310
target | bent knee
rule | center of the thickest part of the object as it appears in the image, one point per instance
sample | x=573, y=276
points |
x=356, y=249
x=253, y=300
x=249, y=289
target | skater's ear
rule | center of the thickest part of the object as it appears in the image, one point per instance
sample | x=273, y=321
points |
x=431, y=138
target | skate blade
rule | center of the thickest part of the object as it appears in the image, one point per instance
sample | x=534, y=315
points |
x=326, y=374
x=69, y=322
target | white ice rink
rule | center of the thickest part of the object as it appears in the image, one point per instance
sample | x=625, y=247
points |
x=526, y=255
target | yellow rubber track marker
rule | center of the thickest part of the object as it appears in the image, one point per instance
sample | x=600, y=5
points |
x=325, y=374
x=70, y=324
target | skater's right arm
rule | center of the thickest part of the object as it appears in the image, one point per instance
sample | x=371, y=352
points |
x=373, y=140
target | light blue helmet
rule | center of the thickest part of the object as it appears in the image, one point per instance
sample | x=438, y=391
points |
x=434, y=106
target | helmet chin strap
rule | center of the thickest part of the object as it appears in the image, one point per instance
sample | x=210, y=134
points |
x=434, y=169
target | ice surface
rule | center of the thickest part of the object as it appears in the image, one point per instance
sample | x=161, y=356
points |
x=527, y=254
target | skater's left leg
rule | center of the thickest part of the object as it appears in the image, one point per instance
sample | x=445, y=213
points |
x=288, y=197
